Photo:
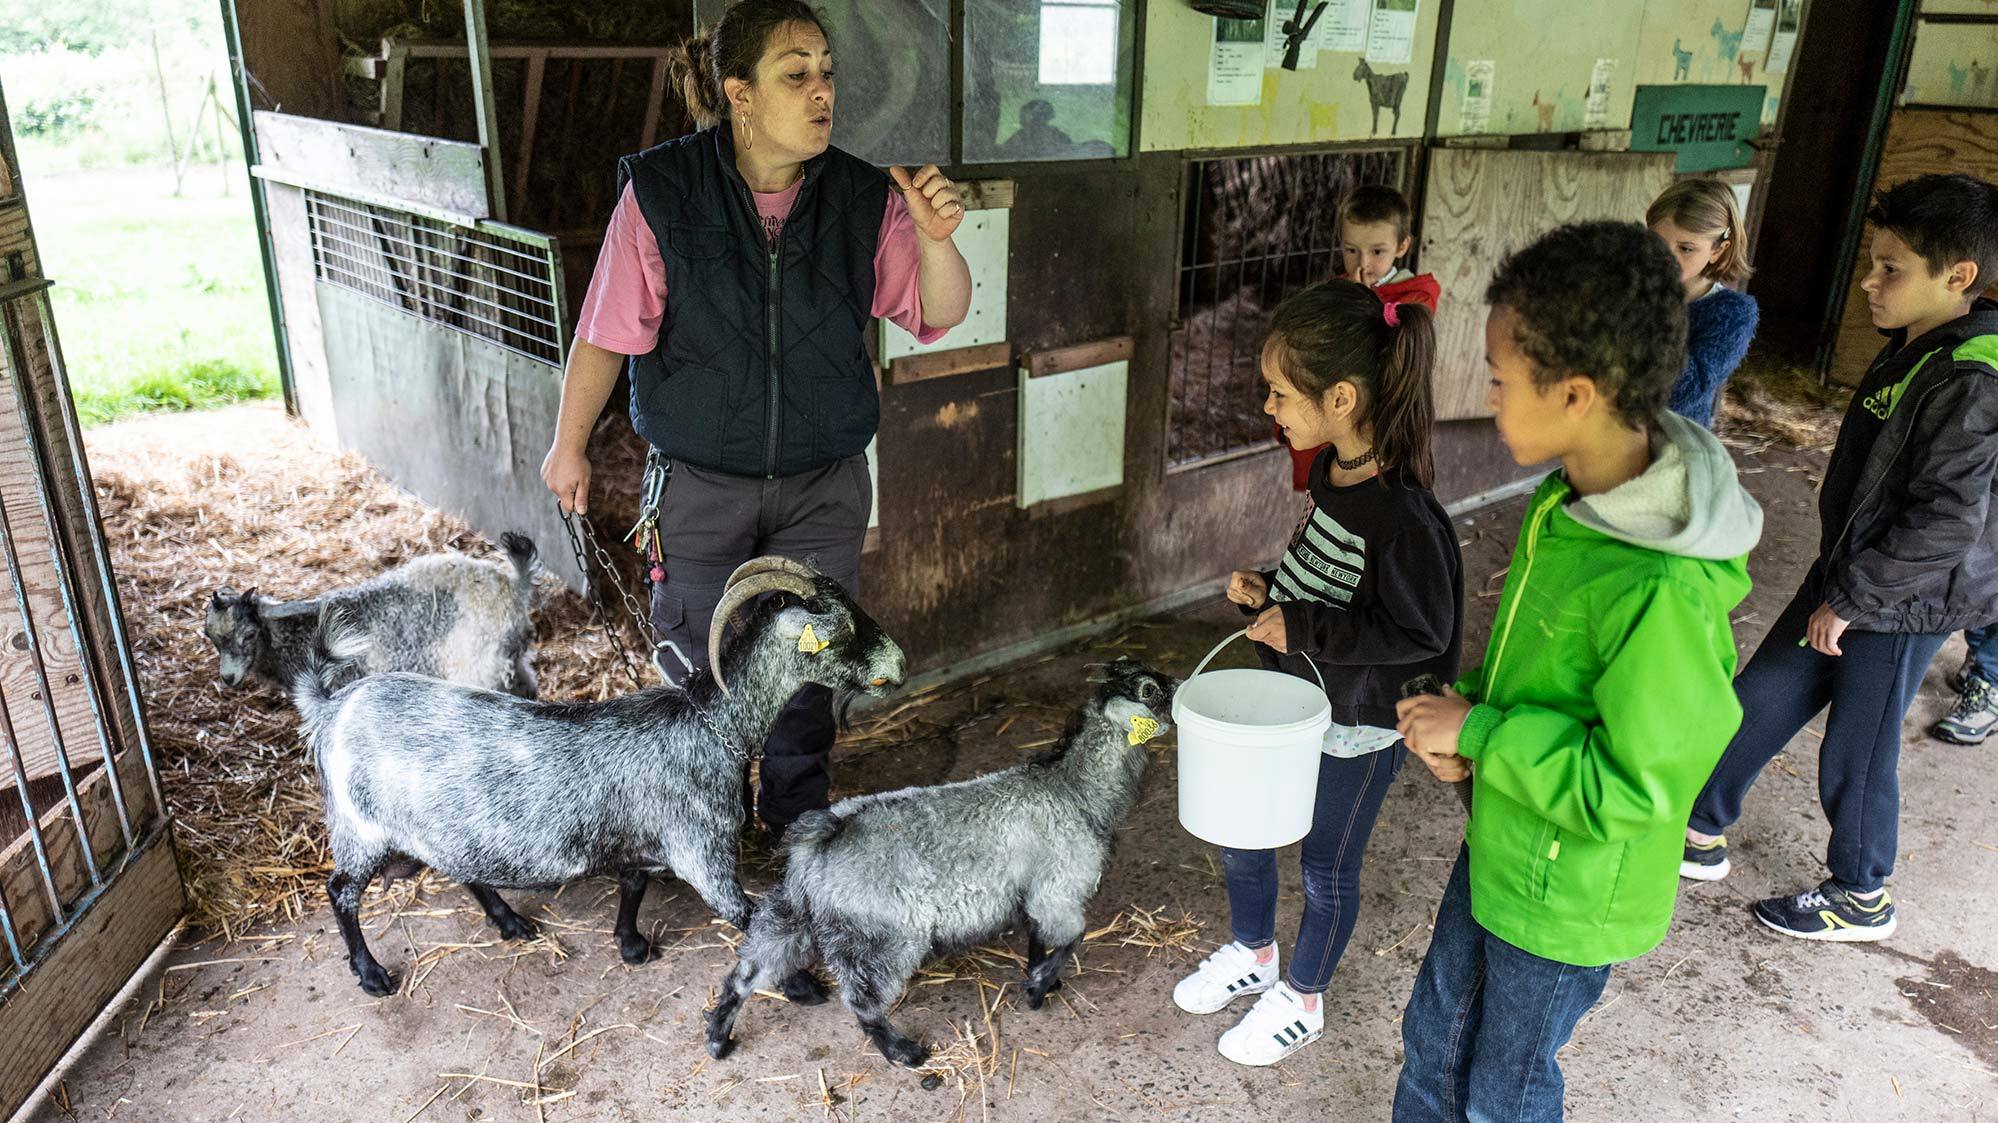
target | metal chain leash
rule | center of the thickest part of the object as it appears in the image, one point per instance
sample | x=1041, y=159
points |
x=584, y=545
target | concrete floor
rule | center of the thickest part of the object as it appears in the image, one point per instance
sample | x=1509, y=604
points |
x=1724, y=1021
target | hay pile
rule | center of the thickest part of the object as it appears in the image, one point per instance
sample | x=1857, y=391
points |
x=1782, y=402
x=244, y=497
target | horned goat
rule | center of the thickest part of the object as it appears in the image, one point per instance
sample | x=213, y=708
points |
x=498, y=792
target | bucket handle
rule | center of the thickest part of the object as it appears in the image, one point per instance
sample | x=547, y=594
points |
x=1231, y=638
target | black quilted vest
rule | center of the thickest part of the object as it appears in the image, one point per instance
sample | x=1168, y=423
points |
x=760, y=369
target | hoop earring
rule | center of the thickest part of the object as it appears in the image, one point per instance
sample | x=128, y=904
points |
x=748, y=134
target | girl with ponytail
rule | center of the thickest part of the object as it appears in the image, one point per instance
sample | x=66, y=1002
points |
x=1371, y=591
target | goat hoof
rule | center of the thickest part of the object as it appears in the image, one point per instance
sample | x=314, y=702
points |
x=908, y=1054
x=720, y=1047
x=933, y=1081
x=518, y=928
x=805, y=989
x=635, y=950
x=374, y=980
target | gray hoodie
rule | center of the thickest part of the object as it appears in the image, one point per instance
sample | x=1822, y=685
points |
x=1688, y=503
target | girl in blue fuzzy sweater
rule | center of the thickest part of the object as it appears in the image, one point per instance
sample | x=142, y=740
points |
x=1700, y=224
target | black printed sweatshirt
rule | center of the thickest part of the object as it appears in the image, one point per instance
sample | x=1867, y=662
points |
x=1372, y=590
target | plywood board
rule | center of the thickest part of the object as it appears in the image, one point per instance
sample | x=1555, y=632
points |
x=1071, y=431
x=1481, y=205
x=1919, y=141
x=20, y=872
x=983, y=240
x=424, y=173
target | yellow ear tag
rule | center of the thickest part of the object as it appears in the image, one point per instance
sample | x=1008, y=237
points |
x=1142, y=729
x=810, y=643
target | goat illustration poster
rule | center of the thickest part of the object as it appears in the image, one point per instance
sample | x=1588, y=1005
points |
x=1235, y=66
x=1391, y=32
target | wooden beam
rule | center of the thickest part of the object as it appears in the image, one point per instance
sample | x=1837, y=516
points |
x=942, y=364
x=479, y=53
x=444, y=176
x=530, y=113
x=393, y=70
x=1061, y=360
x=64, y=993
x=650, y=132
x=986, y=194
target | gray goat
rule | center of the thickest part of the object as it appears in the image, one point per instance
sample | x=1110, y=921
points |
x=448, y=616
x=879, y=883
x=497, y=792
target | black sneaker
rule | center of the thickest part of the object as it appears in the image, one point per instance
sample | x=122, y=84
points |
x=1829, y=913
x=1705, y=863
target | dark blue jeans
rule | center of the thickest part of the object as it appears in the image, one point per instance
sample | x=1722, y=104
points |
x=1484, y=1022
x=1350, y=790
x=1868, y=688
x=1983, y=652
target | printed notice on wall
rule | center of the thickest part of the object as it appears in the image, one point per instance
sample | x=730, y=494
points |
x=1391, y=32
x=1274, y=36
x=1761, y=22
x=1789, y=17
x=1345, y=25
x=1475, y=114
x=1595, y=114
x=1235, y=67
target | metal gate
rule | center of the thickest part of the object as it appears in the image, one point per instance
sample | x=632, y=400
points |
x=88, y=881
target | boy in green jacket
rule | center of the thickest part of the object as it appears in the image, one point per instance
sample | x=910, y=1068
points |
x=1605, y=695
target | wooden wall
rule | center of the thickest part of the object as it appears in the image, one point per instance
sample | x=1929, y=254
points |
x=1919, y=141
x=1482, y=204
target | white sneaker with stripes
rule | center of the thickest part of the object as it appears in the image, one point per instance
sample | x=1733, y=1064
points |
x=1274, y=1028
x=1228, y=974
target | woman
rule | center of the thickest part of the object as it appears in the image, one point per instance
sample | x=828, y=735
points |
x=741, y=270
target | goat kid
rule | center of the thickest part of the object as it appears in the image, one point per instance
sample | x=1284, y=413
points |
x=448, y=616
x=498, y=792
x=879, y=883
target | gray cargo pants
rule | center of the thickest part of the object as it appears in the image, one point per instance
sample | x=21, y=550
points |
x=710, y=523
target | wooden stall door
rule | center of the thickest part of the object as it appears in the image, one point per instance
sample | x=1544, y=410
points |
x=1481, y=205
x=88, y=881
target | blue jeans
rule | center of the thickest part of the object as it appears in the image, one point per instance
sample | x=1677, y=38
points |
x=1484, y=1022
x=1868, y=689
x=1350, y=790
x=1983, y=652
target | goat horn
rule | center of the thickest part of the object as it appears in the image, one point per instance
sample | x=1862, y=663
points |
x=768, y=563
x=740, y=593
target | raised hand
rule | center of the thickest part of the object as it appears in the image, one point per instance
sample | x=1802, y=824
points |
x=932, y=201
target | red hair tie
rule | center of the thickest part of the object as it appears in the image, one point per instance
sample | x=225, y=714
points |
x=1389, y=314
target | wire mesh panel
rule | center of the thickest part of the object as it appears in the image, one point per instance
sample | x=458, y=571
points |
x=495, y=282
x=1256, y=229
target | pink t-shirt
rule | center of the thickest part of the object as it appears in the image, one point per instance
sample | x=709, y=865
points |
x=626, y=303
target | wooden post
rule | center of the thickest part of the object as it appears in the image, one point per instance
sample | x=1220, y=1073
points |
x=479, y=53
x=530, y=113
x=650, y=132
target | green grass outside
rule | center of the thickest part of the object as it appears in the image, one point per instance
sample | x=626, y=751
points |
x=159, y=301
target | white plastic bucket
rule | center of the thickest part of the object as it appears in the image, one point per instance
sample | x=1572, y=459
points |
x=1249, y=746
